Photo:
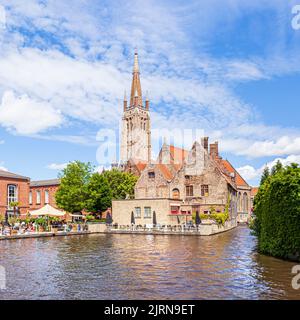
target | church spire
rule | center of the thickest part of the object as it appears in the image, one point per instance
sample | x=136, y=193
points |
x=136, y=90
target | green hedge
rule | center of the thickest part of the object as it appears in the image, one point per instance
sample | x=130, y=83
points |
x=277, y=214
x=219, y=218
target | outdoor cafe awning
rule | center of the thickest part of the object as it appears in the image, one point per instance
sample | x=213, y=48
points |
x=47, y=210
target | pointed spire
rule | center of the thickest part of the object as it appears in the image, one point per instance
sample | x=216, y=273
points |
x=147, y=102
x=125, y=101
x=136, y=62
x=136, y=90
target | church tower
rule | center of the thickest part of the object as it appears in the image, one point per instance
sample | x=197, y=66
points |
x=136, y=129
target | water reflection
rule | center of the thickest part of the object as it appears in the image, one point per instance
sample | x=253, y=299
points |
x=224, y=266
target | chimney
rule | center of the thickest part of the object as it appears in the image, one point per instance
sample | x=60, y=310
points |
x=214, y=150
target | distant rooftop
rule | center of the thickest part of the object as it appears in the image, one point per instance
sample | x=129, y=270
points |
x=41, y=183
x=7, y=174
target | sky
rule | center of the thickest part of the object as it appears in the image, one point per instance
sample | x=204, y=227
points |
x=229, y=68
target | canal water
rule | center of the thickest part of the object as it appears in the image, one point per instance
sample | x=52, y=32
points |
x=224, y=266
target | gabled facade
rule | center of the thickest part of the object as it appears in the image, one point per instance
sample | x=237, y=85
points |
x=193, y=177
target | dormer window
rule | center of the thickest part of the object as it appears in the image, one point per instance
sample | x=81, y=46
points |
x=151, y=175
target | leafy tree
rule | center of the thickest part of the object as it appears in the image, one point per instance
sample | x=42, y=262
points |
x=277, y=213
x=277, y=168
x=121, y=183
x=72, y=193
x=265, y=175
x=99, y=194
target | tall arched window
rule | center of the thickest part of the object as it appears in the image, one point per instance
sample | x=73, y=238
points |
x=12, y=194
x=239, y=202
x=175, y=193
x=46, y=196
x=245, y=202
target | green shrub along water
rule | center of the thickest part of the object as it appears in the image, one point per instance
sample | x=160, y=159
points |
x=277, y=213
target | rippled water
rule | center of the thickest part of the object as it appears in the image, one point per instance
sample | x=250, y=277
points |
x=224, y=266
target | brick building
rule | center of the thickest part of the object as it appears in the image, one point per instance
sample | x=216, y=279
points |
x=42, y=192
x=13, y=188
x=183, y=181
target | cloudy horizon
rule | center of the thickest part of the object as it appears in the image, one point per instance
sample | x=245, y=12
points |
x=229, y=69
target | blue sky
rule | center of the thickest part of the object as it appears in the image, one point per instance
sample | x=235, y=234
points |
x=230, y=68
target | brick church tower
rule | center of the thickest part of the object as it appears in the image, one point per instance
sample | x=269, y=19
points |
x=136, y=129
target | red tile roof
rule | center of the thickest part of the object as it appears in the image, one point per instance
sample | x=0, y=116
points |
x=238, y=178
x=165, y=171
x=254, y=191
x=141, y=166
x=178, y=155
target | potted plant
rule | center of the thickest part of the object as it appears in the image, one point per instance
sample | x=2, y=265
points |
x=42, y=222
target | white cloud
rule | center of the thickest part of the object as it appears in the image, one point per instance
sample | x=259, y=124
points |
x=2, y=167
x=187, y=89
x=24, y=115
x=2, y=17
x=251, y=173
x=251, y=148
x=57, y=166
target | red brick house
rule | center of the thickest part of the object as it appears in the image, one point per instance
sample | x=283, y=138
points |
x=13, y=188
x=42, y=192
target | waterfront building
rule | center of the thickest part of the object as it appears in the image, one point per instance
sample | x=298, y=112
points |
x=13, y=188
x=179, y=182
x=42, y=192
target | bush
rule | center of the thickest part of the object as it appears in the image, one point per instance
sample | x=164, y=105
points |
x=277, y=214
x=219, y=218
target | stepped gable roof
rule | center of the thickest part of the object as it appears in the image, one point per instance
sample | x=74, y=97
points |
x=7, y=174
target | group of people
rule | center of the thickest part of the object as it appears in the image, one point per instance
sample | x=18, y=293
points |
x=19, y=227
x=22, y=228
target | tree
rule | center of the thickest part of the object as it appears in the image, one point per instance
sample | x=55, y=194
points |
x=277, y=214
x=98, y=194
x=72, y=193
x=14, y=205
x=265, y=175
x=121, y=183
x=277, y=168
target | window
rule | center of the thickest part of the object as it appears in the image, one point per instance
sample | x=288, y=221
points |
x=189, y=191
x=12, y=195
x=137, y=212
x=147, y=212
x=151, y=175
x=46, y=196
x=175, y=194
x=30, y=197
x=38, y=197
x=204, y=190
x=245, y=202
